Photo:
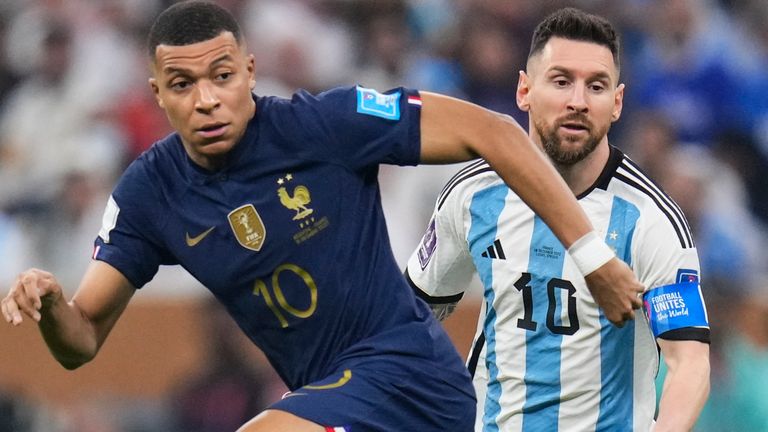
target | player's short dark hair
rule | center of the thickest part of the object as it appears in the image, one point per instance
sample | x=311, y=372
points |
x=574, y=24
x=190, y=22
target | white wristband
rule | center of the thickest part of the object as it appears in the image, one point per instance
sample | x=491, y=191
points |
x=590, y=253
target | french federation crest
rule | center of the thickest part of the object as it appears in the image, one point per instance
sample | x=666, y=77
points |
x=297, y=199
x=248, y=228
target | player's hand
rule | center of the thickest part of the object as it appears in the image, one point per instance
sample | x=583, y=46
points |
x=616, y=290
x=32, y=292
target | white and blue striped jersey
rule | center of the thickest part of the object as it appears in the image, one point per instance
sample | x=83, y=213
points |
x=545, y=358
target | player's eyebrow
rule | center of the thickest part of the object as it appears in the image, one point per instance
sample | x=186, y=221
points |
x=596, y=76
x=184, y=71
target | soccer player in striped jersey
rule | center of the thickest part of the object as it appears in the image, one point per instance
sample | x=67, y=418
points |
x=544, y=357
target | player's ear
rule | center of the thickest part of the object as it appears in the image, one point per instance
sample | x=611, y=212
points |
x=618, y=102
x=523, y=90
x=251, y=67
x=156, y=92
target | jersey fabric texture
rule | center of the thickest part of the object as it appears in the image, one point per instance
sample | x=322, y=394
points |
x=544, y=356
x=291, y=238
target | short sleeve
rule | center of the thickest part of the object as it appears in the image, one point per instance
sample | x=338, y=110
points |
x=673, y=303
x=125, y=240
x=441, y=266
x=659, y=258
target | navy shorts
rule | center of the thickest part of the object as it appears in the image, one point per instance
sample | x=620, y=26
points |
x=387, y=393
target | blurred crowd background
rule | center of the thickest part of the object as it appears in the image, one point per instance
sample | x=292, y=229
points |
x=75, y=109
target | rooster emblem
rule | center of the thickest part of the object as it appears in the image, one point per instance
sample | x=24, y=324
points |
x=297, y=202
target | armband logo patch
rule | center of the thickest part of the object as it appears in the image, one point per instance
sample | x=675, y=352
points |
x=687, y=275
x=428, y=244
x=675, y=306
x=373, y=103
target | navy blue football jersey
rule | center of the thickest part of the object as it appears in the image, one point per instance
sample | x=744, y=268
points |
x=290, y=236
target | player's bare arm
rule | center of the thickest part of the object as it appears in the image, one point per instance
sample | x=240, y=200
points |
x=74, y=330
x=686, y=385
x=454, y=131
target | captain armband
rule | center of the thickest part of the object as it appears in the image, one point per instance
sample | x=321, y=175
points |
x=670, y=307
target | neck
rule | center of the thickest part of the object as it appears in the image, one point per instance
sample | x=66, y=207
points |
x=583, y=174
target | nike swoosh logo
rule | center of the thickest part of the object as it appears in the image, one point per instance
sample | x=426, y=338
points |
x=193, y=241
x=292, y=394
x=343, y=380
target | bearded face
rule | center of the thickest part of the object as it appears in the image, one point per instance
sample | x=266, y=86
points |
x=566, y=148
x=572, y=95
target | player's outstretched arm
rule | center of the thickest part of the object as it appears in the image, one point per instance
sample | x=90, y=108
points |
x=453, y=131
x=75, y=330
x=686, y=386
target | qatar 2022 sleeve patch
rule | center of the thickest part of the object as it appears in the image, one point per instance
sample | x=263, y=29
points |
x=428, y=245
x=675, y=306
x=373, y=103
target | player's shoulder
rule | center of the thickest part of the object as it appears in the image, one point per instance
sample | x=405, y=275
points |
x=301, y=115
x=153, y=166
x=630, y=182
x=167, y=151
x=304, y=99
x=473, y=177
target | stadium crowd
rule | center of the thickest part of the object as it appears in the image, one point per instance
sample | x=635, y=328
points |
x=75, y=109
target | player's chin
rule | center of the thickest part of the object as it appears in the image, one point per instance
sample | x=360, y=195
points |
x=215, y=147
x=572, y=144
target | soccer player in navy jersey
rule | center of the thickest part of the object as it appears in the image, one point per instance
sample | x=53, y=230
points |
x=273, y=205
x=545, y=358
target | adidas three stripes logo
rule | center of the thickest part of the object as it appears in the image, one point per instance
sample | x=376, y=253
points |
x=494, y=251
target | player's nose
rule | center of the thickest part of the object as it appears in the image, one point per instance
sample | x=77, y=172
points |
x=578, y=98
x=207, y=99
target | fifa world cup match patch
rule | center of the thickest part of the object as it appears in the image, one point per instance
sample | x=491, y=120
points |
x=371, y=102
x=428, y=244
x=687, y=275
x=675, y=306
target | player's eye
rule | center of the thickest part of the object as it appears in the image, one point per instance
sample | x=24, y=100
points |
x=560, y=82
x=597, y=87
x=224, y=76
x=180, y=85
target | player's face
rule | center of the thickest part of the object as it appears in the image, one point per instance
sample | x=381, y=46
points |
x=205, y=90
x=572, y=96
